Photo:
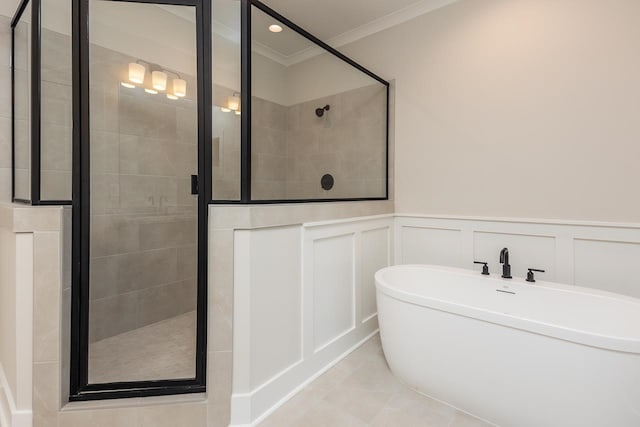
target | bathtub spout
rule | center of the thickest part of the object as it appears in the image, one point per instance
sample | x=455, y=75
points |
x=504, y=260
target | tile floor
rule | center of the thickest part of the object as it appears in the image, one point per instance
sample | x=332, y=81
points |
x=162, y=350
x=361, y=391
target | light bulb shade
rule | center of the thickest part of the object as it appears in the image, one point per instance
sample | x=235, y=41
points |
x=233, y=103
x=159, y=80
x=136, y=72
x=179, y=87
x=172, y=96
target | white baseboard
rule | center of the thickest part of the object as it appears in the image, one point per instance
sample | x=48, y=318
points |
x=10, y=416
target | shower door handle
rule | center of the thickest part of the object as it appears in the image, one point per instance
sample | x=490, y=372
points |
x=195, y=188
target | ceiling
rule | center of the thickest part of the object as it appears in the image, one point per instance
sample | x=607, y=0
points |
x=8, y=7
x=336, y=22
x=327, y=19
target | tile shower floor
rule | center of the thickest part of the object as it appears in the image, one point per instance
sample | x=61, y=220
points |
x=361, y=391
x=162, y=350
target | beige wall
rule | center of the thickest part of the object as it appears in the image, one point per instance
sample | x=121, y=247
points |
x=521, y=108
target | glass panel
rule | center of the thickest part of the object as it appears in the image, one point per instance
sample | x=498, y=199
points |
x=56, y=100
x=143, y=240
x=22, y=106
x=318, y=124
x=226, y=89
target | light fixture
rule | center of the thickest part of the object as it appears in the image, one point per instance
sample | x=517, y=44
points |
x=275, y=28
x=159, y=80
x=225, y=110
x=151, y=91
x=238, y=113
x=172, y=96
x=233, y=102
x=179, y=87
x=136, y=72
x=127, y=85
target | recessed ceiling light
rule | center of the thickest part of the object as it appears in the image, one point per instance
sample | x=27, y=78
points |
x=275, y=28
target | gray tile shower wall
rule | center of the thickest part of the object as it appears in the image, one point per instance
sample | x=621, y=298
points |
x=348, y=142
x=5, y=109
x=22, y=151
x=292, y=148
x=144, y=219
x=268, y=150
x=225, y=146
x=57, y=116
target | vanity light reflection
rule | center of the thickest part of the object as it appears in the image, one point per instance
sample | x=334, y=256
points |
x=159, y=79
x=179, y=87
x=233, y=104
x=137, y=72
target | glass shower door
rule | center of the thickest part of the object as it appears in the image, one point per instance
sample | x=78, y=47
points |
x=143, y=239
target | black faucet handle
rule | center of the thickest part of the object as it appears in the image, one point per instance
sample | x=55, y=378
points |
x=530, y=277
x=485, y=267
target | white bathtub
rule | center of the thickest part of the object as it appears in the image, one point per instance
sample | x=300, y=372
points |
x=541, y=355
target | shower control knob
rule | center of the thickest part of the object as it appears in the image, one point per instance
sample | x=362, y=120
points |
x=485, y=267
x=530, y=277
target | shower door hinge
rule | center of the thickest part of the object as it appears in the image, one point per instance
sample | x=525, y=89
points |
x=194, y=185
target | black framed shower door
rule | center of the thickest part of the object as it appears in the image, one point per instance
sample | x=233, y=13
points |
x=194, y=190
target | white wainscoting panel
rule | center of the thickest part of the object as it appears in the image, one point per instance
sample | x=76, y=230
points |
x=430, y=245
x=304, y=298
x=376, y=254
x=334, y=284
x=275, y=302
x=608, y=265
x=596, y=255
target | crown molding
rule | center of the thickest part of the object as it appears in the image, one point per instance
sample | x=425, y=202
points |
x=398, y=17
x=224, y=31
x=272, y=54
x=391, y=20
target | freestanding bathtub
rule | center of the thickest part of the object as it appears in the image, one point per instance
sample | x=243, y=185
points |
x=513, y=353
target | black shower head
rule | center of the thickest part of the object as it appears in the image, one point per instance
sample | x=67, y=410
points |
x=320, y=111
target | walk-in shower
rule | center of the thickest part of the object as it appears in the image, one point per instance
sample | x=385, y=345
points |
x=121, y=111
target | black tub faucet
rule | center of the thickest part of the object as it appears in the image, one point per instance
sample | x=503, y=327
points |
x=504, y=260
